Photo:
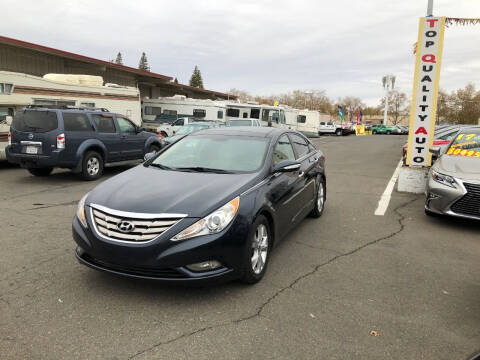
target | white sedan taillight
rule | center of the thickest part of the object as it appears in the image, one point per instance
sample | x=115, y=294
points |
x=9, y=138
x=61, y=141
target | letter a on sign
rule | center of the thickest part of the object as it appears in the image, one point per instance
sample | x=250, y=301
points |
x=425, y=90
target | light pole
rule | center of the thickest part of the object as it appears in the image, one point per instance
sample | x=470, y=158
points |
x=430, y=8
x=305, y=93
x=388, y=84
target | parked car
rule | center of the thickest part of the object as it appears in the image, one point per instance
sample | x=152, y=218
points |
x=329, y=127
x=384, y=129
x=211, y=206
x=74, y=138
x=188, y=129
x=453, y=186
x=243, y=122
x=163, y=119
x=167, y=130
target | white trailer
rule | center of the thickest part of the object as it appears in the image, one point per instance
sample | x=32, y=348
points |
x=309, y=122
x=178, y=106
x=19, y=90
x=269, y=115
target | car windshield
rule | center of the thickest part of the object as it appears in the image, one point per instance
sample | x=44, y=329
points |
x=187, y=129
x=467, y=143
x=35, y=121
x=220, y=153
x=239, y=123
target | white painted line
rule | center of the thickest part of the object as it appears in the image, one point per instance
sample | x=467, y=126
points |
x=387, y=194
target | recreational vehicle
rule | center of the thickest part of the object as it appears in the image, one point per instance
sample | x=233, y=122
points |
x=268, y=115
x=309, y=122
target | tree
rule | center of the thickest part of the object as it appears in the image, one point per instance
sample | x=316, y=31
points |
x=350, y=105
x=175, y=81
x=143, y=64
x=241, y=95
x=119, y=59
x=196, y=79
x=397, y=106
x=459, y=107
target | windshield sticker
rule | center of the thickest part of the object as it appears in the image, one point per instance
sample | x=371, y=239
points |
x=460, y=152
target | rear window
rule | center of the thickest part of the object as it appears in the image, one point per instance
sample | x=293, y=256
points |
x=104, y=124
x=76, y=122
x=35, y=121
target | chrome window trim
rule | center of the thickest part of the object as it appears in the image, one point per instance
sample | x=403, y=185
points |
x=135, y=215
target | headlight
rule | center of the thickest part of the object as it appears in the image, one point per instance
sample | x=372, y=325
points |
x=443, y=179
x=211, y=224
x=81, y=211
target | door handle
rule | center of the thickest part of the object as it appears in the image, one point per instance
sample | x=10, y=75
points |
x=301, y=174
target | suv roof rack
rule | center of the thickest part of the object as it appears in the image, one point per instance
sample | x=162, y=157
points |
x=66, y=107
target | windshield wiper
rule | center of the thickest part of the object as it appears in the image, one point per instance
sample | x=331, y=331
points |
x=204, y=169
x=160, y=166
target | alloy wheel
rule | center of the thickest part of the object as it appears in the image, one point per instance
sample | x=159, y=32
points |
x=320, y=196
x=93, y=165
x=259, y=249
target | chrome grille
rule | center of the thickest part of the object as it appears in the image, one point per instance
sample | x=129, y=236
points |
x=146, y=227
x=469, y=204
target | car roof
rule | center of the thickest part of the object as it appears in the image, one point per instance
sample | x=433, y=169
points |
x=267, y=132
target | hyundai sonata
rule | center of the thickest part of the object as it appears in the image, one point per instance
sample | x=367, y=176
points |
x=209, y=207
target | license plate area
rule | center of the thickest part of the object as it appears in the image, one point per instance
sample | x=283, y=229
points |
x=30, y=149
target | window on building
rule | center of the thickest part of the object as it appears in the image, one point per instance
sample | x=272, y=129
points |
x=153, y=110
x=233, y=113
x=302, y=119
x=199, y=113
x=219, y=114
x=76, y=122
x=104, y=124
x=53, y=102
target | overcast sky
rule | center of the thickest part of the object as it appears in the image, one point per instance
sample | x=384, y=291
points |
x=343, y=46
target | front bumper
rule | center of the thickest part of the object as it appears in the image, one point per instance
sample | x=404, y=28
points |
x=162, y=259
x=445, y=200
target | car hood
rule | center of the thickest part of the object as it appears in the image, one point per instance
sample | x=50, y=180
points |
x=459, y=166
x=152, y=190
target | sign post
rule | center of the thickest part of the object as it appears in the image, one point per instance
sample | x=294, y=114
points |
x=425, y=90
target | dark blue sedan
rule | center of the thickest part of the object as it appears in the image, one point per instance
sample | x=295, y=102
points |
x=209, y=207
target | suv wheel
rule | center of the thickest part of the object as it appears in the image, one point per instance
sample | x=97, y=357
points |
x=338, y=132
x=40, y=171
x=153, y=148
x=257, y=251
x=92, y=166
x=374, y=132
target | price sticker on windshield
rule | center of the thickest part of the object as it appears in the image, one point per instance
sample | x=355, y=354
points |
x=463, y=152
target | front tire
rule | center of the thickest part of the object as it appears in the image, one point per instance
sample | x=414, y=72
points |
x=257, y=251
x=42, y=172
x=388, y=132
x=374, y=132
x=92, y=166
x=320, y=198
x=153, y=148
x=338, y=132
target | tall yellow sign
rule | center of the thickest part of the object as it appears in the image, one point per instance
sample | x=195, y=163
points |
x=425, y=90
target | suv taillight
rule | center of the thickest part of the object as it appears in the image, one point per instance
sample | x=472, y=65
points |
x=61, y=141
x=9, y=138
x=160, y=136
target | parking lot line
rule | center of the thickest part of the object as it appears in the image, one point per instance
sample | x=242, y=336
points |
x=387, y=194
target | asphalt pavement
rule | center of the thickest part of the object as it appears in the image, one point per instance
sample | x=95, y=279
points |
x=350, y=285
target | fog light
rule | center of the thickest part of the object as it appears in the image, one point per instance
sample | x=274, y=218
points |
x=432, y=196
x=204, y=266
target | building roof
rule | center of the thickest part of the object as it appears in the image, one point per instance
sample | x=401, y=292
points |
x=167, y=80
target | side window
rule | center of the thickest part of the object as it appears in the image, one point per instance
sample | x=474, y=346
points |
x=76, y=122
x=219, y=114
x=448, y=136
x=200, y=113
x=153, y=110
x=283, y=150
x=125, y=125
x=245, y=115
x=300, y=145
x=330, y=123
x=170, y=112
x=104, y=124
x=233, y=113
x=302, y=119
x=321, y=123
x=179, y=122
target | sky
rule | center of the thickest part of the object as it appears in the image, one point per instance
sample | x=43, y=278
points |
x=264, y=47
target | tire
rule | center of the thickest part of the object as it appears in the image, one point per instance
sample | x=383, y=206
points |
x=153, y=148
x=319, y=205
x=338, y=132
x=92, y=166
x=374, y=132
x=253, y=271
x=42, y=172
x=388, y=132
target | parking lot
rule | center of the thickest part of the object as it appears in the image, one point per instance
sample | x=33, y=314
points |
x=348, y=285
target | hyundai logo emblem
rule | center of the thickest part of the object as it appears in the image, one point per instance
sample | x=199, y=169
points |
x=30, y=136
x=125, y=226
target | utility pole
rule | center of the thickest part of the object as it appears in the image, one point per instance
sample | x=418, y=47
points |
x=430, y=8
x=388, y=84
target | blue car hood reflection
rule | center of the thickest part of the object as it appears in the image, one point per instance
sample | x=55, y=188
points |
x=152, y=190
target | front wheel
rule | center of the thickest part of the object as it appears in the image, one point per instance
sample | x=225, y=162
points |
x=388, y=132
x=92, y=166
x=40, y=171
x=258, y=251
x=153, y=148
x=338, y=132
x=320, y=198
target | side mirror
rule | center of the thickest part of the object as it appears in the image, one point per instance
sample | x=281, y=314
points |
x=149, y=155
x=8, y=120
x=286, y=166
x=435, y=151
